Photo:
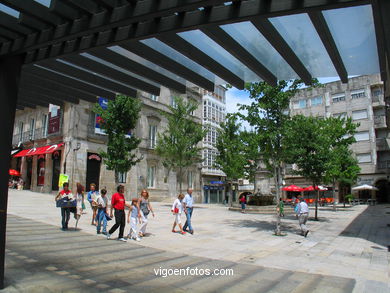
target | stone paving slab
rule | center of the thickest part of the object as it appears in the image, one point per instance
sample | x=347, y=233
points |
x=350, y=243
x=67, y=270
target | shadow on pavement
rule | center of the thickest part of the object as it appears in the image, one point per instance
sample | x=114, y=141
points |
x=372, y=225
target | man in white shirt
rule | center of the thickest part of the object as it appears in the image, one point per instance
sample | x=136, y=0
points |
x=188, y=203
x=102, y=202
x=303, y=215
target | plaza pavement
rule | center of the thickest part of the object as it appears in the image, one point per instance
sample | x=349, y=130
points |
x=346, y=251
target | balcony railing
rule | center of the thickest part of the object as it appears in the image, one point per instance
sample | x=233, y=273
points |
x=383, y=165
x=380, y=121
x=39, y=133
x=382, y=144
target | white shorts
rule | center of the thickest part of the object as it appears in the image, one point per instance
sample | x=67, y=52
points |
x=178, y=218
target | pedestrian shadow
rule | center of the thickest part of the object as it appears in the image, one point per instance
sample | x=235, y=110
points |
x=268, y=226
x=372, y=224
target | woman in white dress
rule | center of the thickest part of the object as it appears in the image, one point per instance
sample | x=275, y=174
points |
x=177, y=209
x=79, y=199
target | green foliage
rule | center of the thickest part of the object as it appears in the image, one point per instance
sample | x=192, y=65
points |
x=231, y=158
x=178, y=144
x=251, y=152
x=117, y=121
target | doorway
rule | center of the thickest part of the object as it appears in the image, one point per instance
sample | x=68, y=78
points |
x=56, y=170
x=93, y=170
x=383, y=194
x=27, y=184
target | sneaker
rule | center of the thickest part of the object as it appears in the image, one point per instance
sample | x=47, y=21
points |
x=122, y=239
x=183, y=232
x=192, y=232
x=97, y=232
x=174, y=231
x=307, y=232
x=104, y=233
x=108, y=236
x=137, y=239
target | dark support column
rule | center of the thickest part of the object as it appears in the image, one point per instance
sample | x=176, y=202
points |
x=10, y=68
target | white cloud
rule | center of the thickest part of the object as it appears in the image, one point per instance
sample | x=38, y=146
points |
x=235, y=97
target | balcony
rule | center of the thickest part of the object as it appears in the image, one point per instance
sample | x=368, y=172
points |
x=39, y=133
x=382, y=144
x=380, y=121
x=378, y=101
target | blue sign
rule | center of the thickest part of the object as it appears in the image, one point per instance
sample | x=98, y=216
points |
x=216, y=182
x=102, y=103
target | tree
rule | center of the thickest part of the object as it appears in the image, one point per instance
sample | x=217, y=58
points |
x=230, y=158
x=178, y=144
x=343, y=166
x=118, y=120
x=268, y=115
x=251, y=151
x=312, y=144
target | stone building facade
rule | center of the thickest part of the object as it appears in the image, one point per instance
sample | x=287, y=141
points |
x=363, y=99
x=214, y=113
x=79, y=156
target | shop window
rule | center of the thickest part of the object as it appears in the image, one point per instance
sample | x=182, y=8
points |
x=41, y=170
x=150, y=176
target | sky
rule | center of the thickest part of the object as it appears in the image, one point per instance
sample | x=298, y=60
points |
x=235, y=96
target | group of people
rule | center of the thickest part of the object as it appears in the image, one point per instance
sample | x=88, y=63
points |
x=16, y=183
x=104, y=210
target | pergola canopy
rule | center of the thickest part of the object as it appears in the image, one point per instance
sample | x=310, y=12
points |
x=82, y=49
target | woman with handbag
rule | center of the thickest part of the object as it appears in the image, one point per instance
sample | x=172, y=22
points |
x=65, y=211
x=177, y=209
x=143, y=211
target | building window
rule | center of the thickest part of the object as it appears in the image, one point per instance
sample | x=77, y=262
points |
x=151, y=171
x=21, y=126
x=44, y=124
x=361, y=114
x=338, y=98
x=376, y=92
x=340, y=115
x=121, y=177
x=173, y=102
x=358, y=94
x=32, y=129
x=362, y=136
x=316, y=101
x=190, y=178
x=364, y=158
x=154, y=98
x=152, y=136
x=300, y=104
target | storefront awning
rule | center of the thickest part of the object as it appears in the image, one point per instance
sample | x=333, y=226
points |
x=39, y=151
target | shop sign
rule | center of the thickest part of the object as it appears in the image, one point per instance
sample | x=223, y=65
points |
x=103, y=103
x=94, y=157
x=54, y=120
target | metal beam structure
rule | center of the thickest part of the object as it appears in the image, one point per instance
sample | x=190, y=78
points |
x=189, y=50
x=135, y=67
x=323, y=31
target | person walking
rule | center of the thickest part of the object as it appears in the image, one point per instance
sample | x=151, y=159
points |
x=65, y=193
x=92, y=196
x=303, y=214
x=118, y=203
x=177, y=209
x=188, y=205
x=79, y=200
x=144, y=209
x=132, y=218
x=243, y=203
x=102, y=202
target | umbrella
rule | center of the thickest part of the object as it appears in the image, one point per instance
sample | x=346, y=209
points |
x=293, y=188
x=13, y=172
x=364, y=187
x=312, y=188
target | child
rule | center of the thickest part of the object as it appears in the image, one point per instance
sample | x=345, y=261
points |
x=243, y=202
x=177, y=209
x=102, y=202
x=132, y=218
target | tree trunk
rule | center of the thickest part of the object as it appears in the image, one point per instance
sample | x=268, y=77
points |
x=180, y=180
x=277, y=185
x=116, y=178
x=230, y=188
x=317, y=199
x=334, y=195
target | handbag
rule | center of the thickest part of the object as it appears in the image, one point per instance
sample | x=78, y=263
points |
x=176, y=210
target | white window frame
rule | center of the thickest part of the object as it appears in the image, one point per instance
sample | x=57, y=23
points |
x=338, y=98
x=173, y=102
x=122, y=176
x=316, y=99
x=359, y=112
x=152, y=136
x=364, y=158
x=190, y=179
x=45, y=124
x=361, y=136
x=32, y=129
x=150, y=176
x=154, y=98
x=21, y=126
x=358, y=94
x=340, y=115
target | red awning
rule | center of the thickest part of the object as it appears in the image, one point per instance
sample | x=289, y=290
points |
x=39, y=151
